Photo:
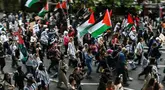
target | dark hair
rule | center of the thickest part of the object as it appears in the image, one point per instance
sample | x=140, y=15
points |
x=109, y=82
x=7, y=79
x=152, y=60
x=156, y=86
x=154, y=44
x=41, y=66
x=117, y=80
x=30, y=80
x=129, y=42
x=71, y=79
x=151, y=82
x=140, y=39
x=89, y=50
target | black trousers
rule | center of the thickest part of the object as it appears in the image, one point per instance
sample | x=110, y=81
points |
x=14, y=61
x=66, y=48
x=2, y=63
x=145, y=72
x=124, y=73
x=138, y=58
x=52, y=64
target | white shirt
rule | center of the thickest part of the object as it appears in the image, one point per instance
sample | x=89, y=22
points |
x=4, y=38
x=71, y=49
x=133, y=36
x=33, y=39
x=139, y=48
x=13, y=48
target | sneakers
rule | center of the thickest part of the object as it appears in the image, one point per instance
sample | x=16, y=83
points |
x=130, y=79
x=88, y=77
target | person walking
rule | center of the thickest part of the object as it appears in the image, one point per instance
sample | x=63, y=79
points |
x=2, y=58
x=19, y=78
x=6, y=82
x=139, y=51
x=88, y=61
x=66, y=41
x=72, y=53
x=62, y=70
x=42, y=77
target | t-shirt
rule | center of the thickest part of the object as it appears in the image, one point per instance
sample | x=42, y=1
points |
x=32, y=87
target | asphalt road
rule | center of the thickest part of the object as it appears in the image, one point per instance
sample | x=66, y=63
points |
x=93, y=83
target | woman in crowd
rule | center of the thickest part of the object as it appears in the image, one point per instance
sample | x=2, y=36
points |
x=139, y=51
x=72, y=53
x=110, y=85
x=118, y=83
x=2, y=58
x=6, y=82
x=42, y=77
x=72, y=82
x=19, y=77
x=88, y=61
x=62, y=70
x=66, y=41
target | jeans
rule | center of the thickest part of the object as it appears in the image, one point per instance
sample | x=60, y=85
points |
x=89, y=66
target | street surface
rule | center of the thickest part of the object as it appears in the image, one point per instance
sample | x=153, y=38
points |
x=93, y=83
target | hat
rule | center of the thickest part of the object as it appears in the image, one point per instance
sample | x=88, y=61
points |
x=109, y=51
x=65, y=32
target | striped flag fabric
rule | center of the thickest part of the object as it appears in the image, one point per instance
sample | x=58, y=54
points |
x=43, y=11
x=129, y=23
x=29, y=3
x=83, y=28
x=22, y=48
x=62, y=5
x=101, y=26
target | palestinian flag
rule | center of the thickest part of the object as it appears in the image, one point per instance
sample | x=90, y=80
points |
x=62, y=5
x=130, y=22
x=101, y=26
x=29, y=3
x=22, y=48
x=43, y=11
x=83, y=28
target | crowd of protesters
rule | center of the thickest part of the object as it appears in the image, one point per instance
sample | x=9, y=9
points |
x=114, y=53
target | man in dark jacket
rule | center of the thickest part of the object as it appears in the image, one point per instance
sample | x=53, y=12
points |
x=2, y=58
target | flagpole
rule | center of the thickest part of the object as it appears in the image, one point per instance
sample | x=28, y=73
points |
x=63, y=12
x=68, y=20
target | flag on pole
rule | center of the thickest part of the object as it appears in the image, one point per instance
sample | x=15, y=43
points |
x=43, y=11
x=29, y=3
x=22, y=48
x=101, y=26
x=62, y=5
x=110, y=13
x=130, y=22
x=83, y=28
